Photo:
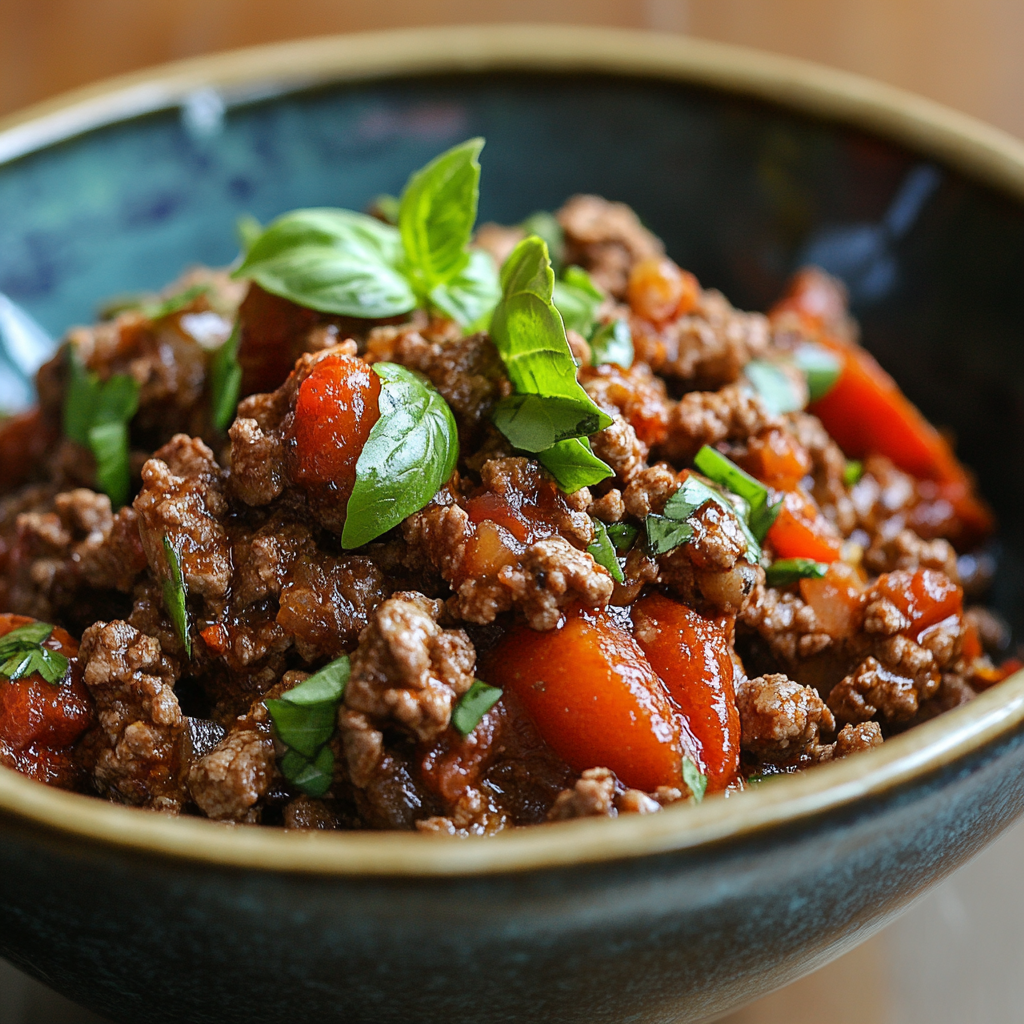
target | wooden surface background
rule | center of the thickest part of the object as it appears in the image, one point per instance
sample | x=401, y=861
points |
x=965, y=53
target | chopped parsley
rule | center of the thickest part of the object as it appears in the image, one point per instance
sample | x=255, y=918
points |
x=727, y=474
x=695, y=779
x=622, y=535
x=788, y=570
x=22, y=654
x=175, y=595
x=473, y=705
x=603, y=551
x=225, y=381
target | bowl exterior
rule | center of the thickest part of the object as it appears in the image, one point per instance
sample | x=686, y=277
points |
x=677, y=937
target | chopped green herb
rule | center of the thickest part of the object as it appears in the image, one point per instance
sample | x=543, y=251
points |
x=96, y=414
x=820, y=367
x=312, y=775
x=852, y=472
x=603, y=551
x=175, y=597
x=175, y=303
x=612, y=343
x=778, y=391
x=248, y=229
x=573, y=464
x=410, y=454
x=788, y=570
x=473, y=705
x=717, y=467
x=385, y=207
x=663, y=534
x=622, y=535
x=305, y=717
x=225, y=381
x=22, y=653
x=695, y=779
x=549, y=407
x=546, y=226
x=576, y=297
x=693, y=494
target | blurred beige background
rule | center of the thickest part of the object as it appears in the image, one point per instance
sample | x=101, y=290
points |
x=957, y=956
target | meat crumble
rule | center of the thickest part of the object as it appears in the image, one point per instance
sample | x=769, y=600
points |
x=513, y=649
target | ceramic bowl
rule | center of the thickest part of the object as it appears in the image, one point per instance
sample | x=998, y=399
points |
x=746, y=165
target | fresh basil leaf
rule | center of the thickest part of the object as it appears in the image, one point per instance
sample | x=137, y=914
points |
x=612, y=343
x=603, y=551
x=473, y=705
x=326, y=684
x=248, y=229
x=174, y=598
x=470, y=296
x=622, y=535
x=785, y=571
x=80, y=399
x=437, y=212
x=22, y=654
x=225, y=381
x=539, y=422
x=693, y=494
x=695, y=779
x=305, y=728
x=117, y=401
x=852, y=472
x=717, y=467
x=820, y=367
x=778, y=392
x=663, y=534
x=573, y=464
x=545, y=225
x=576, y=297
x=530, y=337
x=410, y=454
x=109, y=445
x=335, y=261
x=312, y=776
x=385, y=207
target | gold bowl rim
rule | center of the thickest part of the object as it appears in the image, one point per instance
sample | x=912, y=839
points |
x=978, y=150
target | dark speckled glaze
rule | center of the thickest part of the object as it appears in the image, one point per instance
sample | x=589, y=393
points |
x=663, y=930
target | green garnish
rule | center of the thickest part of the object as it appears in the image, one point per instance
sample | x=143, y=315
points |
x=346, y=263
x=248, y=229
x=603, y=551
x=852, y=472
x=153, y=310
x=22, y=653
x=788, y=570
x=546, y=226
x=622, y=535
x=410, y=454
x=96, y=415
x=385, y=206
x=778, y=392
x=695, y=779
x=174, y=597
x=305, y=719
x=473, y=705
x=225, y=381
x=694, y=494
x=549, y=406
x=576, y=297
x=717, y=467
x=820, y=367
x=612, y=343
x=663, y=534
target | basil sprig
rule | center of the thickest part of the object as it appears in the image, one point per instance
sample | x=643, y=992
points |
x=348, y=264
x=473, y=705
x=715, y=466
x=785, y=571
x=175, y=595
x=96, y=414
x=602, y=550
x=22, y=653
x=305, y=719
x=612, y=343
x=777, y=390
x=549, y=409
x=820, y=367
x=546, y=225
x=695, y=779
x=410, y=454
x=225, y=381
x=671, y=529
x=622, y=535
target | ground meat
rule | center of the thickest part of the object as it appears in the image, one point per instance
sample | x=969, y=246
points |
x=598, y=793
x=906, y=550
x=875, y=689
x=636, y=393
x=650, y=489
x=780, y=720
x=707, y=347
x=309, y=815
x=134, y=753
x=227, y=783
x=854, y=738
x=619, y=446
x=708, y=417
x=606, y=239
x=827, y=469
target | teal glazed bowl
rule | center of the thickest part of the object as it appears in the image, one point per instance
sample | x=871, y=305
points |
x=747, y=165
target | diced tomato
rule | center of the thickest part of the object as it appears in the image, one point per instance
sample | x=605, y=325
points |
x=659, y=291
x=594, y=698
x=336, y=407
x=837, y=599
x=801, y=531
x=777, y=459
x=691, y=655
x=925, y=596
x=216, y=637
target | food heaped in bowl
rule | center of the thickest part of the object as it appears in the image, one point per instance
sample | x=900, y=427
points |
x=365, y=533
